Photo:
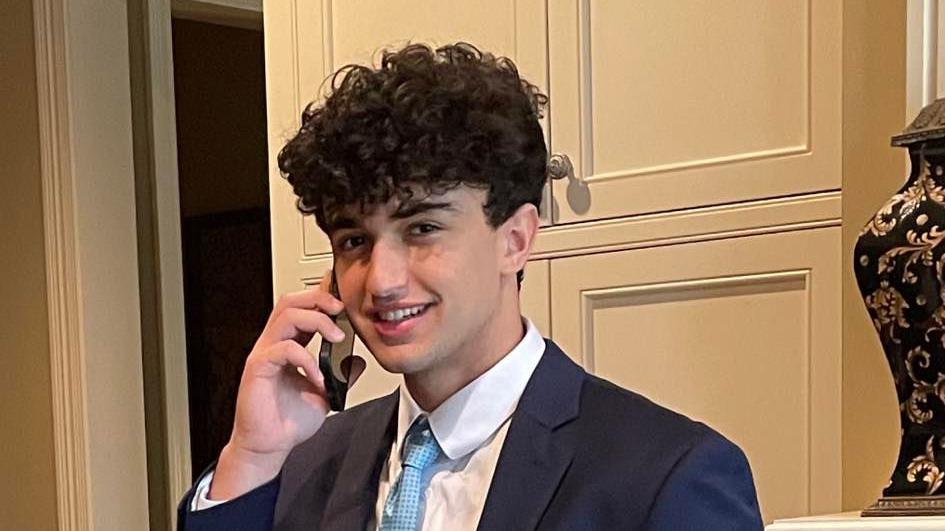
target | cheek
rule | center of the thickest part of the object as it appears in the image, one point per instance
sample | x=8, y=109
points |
x=477, y=269
x=351, y=283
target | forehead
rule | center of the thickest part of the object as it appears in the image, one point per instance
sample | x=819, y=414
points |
x=461, y=200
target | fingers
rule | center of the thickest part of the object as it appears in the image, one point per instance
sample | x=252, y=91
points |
x=299, y=315
x=295, y=322
x=309, y=299
x=288, y=354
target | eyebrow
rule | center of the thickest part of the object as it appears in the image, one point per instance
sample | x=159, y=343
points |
x=404, y=211
x=412, y=209
x=339, y=223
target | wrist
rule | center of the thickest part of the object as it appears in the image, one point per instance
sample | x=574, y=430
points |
x=239, y=471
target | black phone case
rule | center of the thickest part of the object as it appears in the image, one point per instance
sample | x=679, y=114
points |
x=330, y=356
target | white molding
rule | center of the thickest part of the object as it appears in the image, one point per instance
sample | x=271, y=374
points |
x=168, y=250
x=765, y=216
x=91, y=265
x=246, y=14
x=70, y=422
x=925, y=39
x=167, y=203
x=248, y=5
x=929, y=50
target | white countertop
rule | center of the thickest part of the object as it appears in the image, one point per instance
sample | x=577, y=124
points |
x=853, y=520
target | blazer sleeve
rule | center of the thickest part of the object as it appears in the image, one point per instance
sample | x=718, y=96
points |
x=252, y=511
x=710, y=488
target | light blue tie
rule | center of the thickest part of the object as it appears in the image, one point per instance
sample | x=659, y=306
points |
x=402, y=509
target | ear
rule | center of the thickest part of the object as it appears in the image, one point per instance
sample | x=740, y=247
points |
x=517, y=237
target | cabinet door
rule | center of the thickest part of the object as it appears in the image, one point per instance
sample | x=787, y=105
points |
x=743, y=334
x=669, y=105
x=307, y=40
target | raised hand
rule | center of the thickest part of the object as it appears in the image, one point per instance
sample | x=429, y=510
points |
x=281, y=400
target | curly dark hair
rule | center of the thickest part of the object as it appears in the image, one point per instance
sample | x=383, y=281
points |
x=424, y=121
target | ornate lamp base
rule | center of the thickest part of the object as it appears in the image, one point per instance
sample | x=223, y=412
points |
x=907, y=506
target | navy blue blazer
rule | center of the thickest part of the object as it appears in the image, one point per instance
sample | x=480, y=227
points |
x=581, y=453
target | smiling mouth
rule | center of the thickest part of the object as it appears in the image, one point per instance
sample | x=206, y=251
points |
x=403, y=314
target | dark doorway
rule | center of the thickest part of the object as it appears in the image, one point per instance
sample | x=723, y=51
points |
x=219, y=83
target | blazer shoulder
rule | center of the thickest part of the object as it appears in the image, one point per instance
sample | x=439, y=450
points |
x=713, y=480
x=629, y=416
x=655, y=449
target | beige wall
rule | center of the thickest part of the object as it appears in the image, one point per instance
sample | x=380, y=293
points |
x=874, y=83
x=27, y=488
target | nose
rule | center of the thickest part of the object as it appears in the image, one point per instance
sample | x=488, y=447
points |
x=387, y=272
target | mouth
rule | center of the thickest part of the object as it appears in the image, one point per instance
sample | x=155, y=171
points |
x=395, y=324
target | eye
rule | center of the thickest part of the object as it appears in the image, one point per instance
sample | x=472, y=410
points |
x=350, y=242
x=423, y=229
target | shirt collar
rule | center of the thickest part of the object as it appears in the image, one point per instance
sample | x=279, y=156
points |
x=470, y=416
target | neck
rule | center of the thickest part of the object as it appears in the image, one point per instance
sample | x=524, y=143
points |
x=432, y=387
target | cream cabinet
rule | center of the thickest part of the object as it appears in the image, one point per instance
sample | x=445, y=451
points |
x=739, y=333
x=694, y=254
x=669, y=105
x=660, y=106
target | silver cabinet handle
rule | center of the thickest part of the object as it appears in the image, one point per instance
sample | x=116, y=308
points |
x=560, y=167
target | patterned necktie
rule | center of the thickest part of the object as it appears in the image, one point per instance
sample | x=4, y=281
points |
x=402, y=509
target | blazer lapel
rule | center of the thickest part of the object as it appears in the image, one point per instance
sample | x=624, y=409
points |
x=353, y=497
x=536, y=453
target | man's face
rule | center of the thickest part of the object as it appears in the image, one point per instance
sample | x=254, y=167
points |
x=420, y=280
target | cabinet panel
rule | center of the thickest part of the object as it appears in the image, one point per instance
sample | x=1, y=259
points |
x=743, y=334
x=669, y=105
x=359, y=29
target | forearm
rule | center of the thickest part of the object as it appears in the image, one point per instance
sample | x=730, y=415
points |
x=239, y=471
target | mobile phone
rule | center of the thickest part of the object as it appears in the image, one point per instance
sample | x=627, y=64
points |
x=331, y=355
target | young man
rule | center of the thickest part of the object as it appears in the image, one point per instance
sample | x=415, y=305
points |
x=426, y=173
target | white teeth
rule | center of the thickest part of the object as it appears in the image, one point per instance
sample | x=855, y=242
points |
x=398, y=315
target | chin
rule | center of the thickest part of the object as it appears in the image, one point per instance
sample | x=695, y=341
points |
x=408, y=358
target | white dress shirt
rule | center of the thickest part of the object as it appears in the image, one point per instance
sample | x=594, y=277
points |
x=470, y=427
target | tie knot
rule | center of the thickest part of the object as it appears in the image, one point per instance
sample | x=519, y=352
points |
x=420, y=446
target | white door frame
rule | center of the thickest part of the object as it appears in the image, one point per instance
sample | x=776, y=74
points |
x=160, y=236
x=113, y=255
x=160, y=259
x=161, y=248
x=91, y=264
x=925, y=51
